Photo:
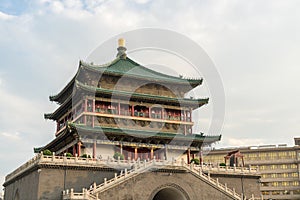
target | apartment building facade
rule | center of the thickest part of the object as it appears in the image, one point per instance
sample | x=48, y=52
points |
x=279, y=167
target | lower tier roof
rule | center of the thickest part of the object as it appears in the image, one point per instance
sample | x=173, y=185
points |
x=79, y=132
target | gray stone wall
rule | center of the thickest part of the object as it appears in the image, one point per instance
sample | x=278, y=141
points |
x=48, y=182
x=23, y=188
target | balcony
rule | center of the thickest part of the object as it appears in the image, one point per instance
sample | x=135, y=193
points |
x=89, y=111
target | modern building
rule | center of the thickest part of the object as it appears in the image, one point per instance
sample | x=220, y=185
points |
x=279, y=167
x=122, y=130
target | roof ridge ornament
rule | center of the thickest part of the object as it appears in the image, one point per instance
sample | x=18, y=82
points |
x=121, y=49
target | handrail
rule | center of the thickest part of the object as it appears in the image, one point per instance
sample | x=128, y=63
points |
x=213, y=181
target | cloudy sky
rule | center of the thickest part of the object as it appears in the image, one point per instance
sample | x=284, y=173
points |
x=254, y=45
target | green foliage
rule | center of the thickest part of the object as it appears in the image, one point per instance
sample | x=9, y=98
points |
x=222, y=165
x=196, y=161
x=69, y=154
x=85, y=156
x=117, y=154
x=47, y=152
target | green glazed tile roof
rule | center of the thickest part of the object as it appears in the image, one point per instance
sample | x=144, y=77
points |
x=140, y=95
x=77, y=131
x=143, y=133
x=132, y=69
x=125, y=67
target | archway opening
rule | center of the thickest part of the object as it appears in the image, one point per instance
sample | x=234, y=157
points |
x=169, y=193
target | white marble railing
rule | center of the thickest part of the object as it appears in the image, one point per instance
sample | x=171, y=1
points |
x=231, y=170
x=198, y=172
x=110, y=162
x=71, y=195
x=64, y=160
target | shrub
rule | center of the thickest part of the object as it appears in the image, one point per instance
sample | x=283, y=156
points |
x=69, y=154
x=222, y=165
x=117, y=154
x=85, y=156
x=196, y=161
x=47, y=152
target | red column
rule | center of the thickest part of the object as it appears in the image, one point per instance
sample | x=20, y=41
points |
x=94, y=105
x=74, y=149
x=185, y=116
x=94, y=108
x=151, y=153
x=162, y=113
x=149, y=112
x=57, y=126
x=94, y=149
x=119, y=108
x=188, y=155
x=85, y=110
x=200, y=156
x=78, y=148
x=132, y=110
x=121, y=149
x=135, y=153
x=85, y=105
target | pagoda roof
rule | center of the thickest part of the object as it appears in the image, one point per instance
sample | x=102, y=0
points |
x=79, y=131
x=125, y=67
x=130, y=68
x=195, y=103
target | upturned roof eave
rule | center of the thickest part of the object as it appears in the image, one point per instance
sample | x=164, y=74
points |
x=53, y=116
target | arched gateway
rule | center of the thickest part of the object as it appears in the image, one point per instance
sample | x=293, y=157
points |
x=168, y=192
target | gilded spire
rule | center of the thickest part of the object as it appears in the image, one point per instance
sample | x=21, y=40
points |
x=121, y=49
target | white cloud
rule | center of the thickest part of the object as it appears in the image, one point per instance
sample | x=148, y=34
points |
x=57, y=6
x=141, y=1
x=4, y=16
x=243, y=142
x=11, y=136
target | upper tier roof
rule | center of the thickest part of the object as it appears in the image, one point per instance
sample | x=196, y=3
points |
x=124, y=67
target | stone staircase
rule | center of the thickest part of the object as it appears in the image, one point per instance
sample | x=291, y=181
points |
x=140, y=167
